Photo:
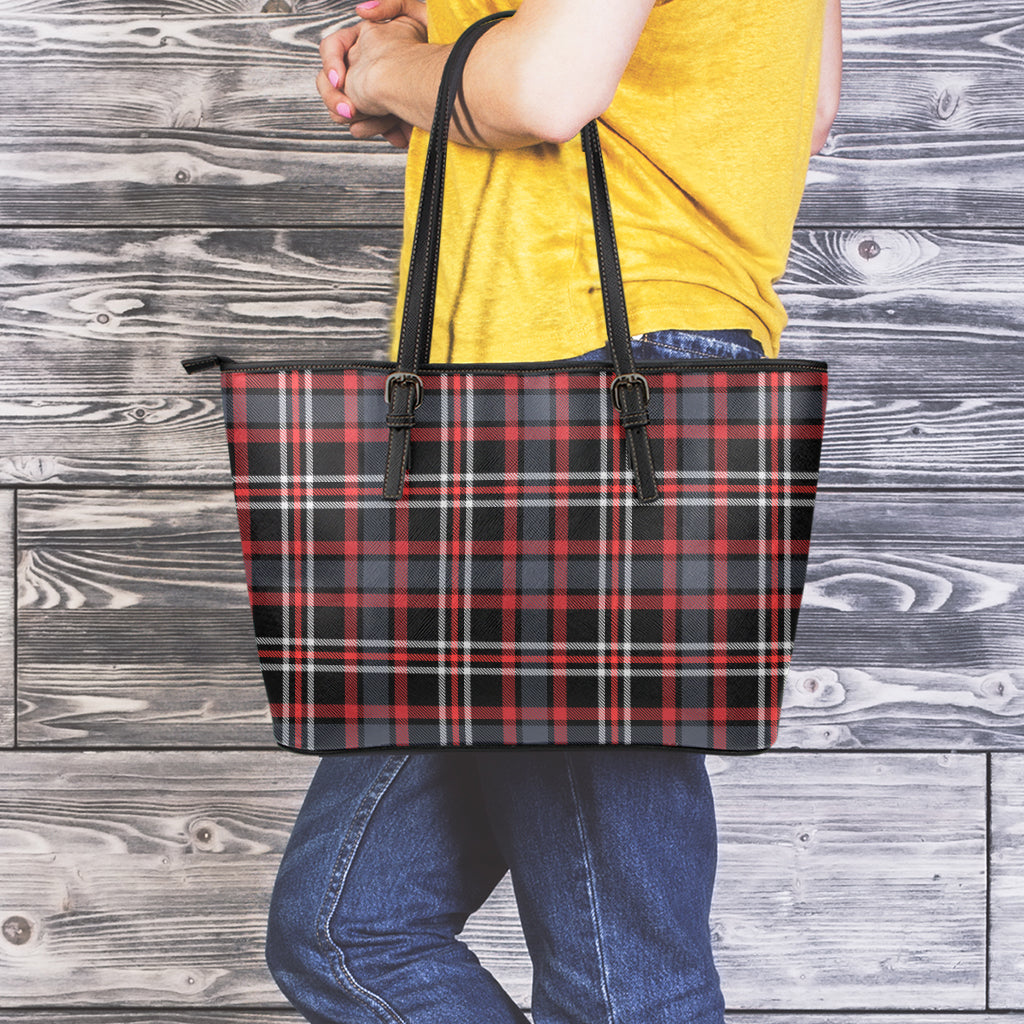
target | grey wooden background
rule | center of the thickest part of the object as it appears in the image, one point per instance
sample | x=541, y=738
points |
x=170, y=186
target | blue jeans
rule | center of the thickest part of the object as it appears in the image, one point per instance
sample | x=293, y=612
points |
x=676, y=344
x=612, y=855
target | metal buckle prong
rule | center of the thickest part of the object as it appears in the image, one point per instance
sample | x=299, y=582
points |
x=625, y=380
x=404, y=380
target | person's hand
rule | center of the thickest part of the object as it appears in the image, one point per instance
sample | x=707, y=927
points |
x=350, y=81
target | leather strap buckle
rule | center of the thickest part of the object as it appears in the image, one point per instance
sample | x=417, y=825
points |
x=404, y=380
x=628, y=380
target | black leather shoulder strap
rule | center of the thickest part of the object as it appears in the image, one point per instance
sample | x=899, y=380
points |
x=629, y=390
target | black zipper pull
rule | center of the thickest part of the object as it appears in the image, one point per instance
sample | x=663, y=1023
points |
x=198, y=363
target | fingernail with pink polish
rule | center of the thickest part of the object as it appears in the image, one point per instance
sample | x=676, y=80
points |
x=334, y=78
x=344, y=109
x=369, y=5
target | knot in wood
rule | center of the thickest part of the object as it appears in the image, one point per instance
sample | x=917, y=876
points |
x=204, y=835
x=946, y=104
x=277, y=7
x=17, y=930
x=869, y=249
x=182, y=177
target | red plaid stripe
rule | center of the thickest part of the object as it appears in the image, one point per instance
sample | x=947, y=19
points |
x=518, y=594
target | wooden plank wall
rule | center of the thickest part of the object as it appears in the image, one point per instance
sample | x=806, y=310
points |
x=169, y=186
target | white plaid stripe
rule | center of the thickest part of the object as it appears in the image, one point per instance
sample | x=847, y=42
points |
x=309, y=609
x=283, y=472
x=466, y=672
x=603, y=675
x=443, y=570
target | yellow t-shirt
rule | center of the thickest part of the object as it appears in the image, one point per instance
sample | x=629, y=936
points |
x=706, y=145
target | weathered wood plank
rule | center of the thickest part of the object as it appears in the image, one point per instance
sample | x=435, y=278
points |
x=923, y=90
x=207, y=1015
x=93, y=391
x=155, y=633
x=932, y=27
x=901, y=433
x=138, y=300
x=194, y=178
x=7, y=698
x=110, y=313
x=144, y=877
x=856, y=857
x=921, y=601
x=887, y=16
x=141, y=678
x=134, y=627
x=1006, y=898
x=177, y=8
x=203, y=1015
x=255, y=75
x=165, y=8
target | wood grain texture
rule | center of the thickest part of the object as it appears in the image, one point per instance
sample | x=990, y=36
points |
x=143, y=879
x=860, y=854
x=163, y=8
x=134, y=627
x=869, y=18
x=7, y=697
x=252, y=73
x=1006, y=900
x=195, y=178
x=210, y=117
x=111, y=313
x=921, y=329
x=921, y=601
x=187, y=195
x=138, y=615
x=137, y=300
x=199, y=1015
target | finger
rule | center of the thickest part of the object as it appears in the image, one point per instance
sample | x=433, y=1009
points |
x=397, y=138
x=385, y=10
x=406, y=129
x=333, y=48
x=339, y=106
x=368, y=127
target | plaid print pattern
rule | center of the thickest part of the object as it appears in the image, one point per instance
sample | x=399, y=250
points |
x=518, y=594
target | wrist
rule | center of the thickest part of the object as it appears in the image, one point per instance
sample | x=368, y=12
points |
x=409, y=79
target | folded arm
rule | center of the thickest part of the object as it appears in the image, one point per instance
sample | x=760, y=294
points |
x=537, y=77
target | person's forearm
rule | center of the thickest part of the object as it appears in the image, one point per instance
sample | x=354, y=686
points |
x=537, y=77
x=406, y=81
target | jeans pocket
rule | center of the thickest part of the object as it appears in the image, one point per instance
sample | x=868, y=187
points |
x=683, y=344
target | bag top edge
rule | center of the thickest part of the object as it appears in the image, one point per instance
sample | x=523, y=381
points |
x=566, y=365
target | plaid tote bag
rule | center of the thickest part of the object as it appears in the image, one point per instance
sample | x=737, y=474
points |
x=551, y=553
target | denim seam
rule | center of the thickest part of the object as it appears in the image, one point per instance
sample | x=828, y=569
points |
x=339, y=875
x=591, y=891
